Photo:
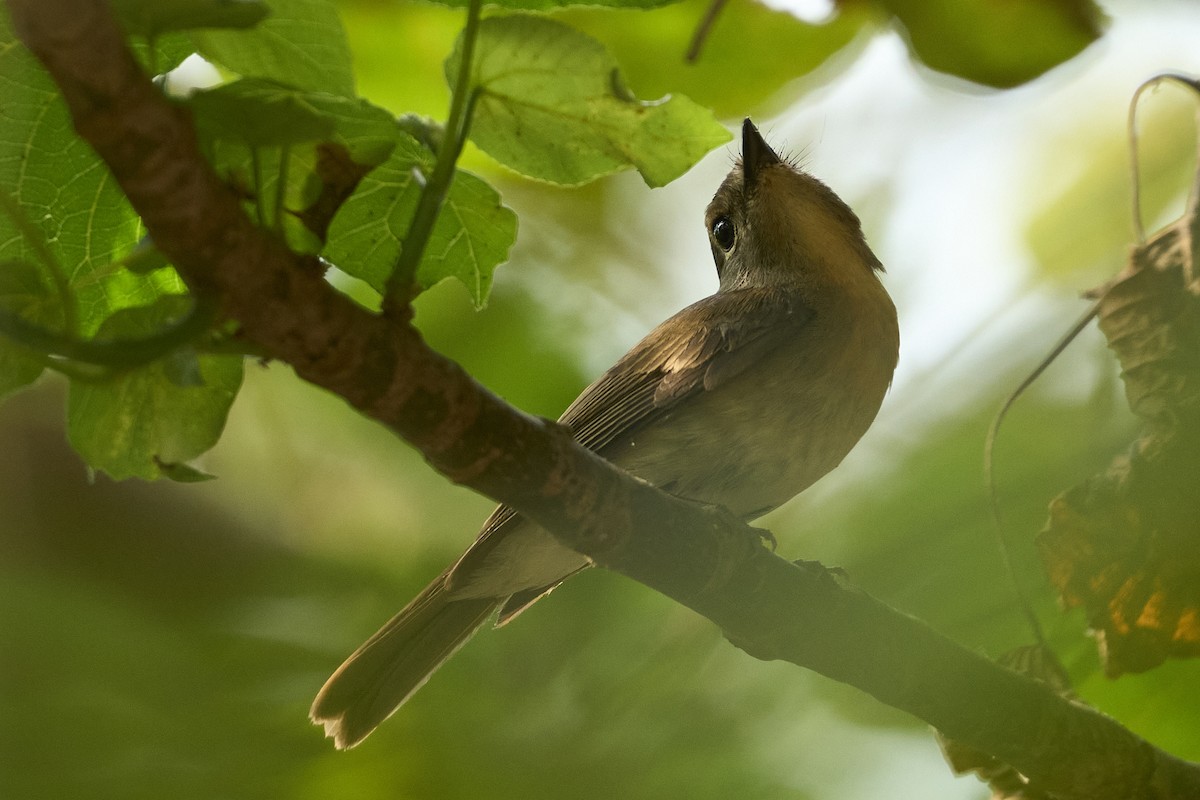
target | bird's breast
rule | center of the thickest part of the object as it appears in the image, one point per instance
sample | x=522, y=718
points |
x=773, y=430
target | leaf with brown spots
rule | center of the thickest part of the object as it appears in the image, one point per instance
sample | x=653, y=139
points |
x=1125, y=545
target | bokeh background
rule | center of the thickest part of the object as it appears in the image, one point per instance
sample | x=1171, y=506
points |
x=165, y=640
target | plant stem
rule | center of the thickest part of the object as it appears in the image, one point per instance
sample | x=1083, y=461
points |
x=58, y=275
x=259, y=186
x=400, y=283
x=281, y=188
x=119, y=353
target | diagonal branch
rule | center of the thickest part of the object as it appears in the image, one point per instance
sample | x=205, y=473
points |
x=700, y=557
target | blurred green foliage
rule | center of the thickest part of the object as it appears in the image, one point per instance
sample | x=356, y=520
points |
x=974, y=39
x=1084, y=222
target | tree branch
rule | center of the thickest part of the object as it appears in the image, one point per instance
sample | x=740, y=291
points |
x=701, y=557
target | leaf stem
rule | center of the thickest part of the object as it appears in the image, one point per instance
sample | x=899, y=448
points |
x=399, y=289
x=121, y=353
x=989, y=472
x=58, y=275
x=281, y=187
x=259, y=186
x=700, y=36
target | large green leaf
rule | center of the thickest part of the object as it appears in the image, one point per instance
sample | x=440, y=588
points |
x=258, y=113
x=750, y=56
x=253, y=126
x=301, y=43
x=63, y=190
x=552, y=105
x=146, y=420
x=997, y=44
x=470, y=239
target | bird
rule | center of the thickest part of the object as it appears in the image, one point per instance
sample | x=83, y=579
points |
x=743, y=399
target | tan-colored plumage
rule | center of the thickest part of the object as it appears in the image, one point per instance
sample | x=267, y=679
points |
x=743, y=399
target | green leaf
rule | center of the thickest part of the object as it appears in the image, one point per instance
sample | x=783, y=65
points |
x=729, y=77
x=144, y=258
x=367, y=131
x=62, y=188
x=141, y=420
x=975, y=39
x=552, y=105
x=22, y=292
x=302, y=44
x=184, y=473
x=258, y=113
x=470, y=239
x=245, y=125
x=163, y=53
x=152, y=18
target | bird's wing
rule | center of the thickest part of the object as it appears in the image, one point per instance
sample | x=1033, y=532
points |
x=698, y=349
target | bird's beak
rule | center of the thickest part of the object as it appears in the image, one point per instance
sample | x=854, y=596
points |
x=756, y=153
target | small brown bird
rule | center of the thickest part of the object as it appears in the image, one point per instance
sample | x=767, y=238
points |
x=743, y=399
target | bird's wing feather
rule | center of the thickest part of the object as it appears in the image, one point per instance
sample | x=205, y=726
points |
x=700, y=348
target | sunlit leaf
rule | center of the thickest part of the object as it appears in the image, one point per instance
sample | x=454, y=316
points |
x=470, y=239
x=132, y=424
x=144, y=258
x=62, y=188
x=552, y=105
x=301, y=43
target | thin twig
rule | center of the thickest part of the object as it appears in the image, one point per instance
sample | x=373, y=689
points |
x=259, y=185
x=989, y=474
x=703, y=29
x=1134, y=163
x=281, y=187
x=398, y=291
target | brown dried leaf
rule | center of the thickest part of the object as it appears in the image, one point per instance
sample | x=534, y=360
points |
x=1151, y=317
x=1125, y=545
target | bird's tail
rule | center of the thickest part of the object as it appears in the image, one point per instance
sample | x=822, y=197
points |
x=396, y=661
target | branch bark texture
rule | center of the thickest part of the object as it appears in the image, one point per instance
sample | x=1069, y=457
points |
x=701, y=557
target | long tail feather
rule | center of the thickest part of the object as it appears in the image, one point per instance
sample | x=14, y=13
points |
x=395, y=662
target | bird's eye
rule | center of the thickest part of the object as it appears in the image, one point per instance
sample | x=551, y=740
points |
x=723, y=231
